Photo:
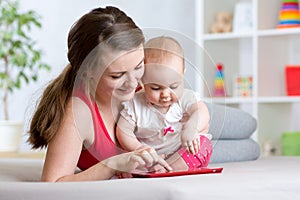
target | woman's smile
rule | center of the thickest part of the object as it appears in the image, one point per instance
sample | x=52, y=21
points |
x=126, y=90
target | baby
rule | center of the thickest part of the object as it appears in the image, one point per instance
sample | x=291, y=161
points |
x=165, y=116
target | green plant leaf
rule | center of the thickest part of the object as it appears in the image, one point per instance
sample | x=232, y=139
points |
x=20, y=60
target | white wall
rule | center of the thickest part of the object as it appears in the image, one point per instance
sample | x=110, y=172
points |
x=59, y=15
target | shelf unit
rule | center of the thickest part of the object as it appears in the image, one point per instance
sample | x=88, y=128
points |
x=263, y=53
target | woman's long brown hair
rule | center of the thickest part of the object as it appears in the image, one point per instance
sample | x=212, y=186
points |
x=89, y=31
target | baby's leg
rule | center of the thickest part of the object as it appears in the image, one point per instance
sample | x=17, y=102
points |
x=177, y=162
x=183, y=160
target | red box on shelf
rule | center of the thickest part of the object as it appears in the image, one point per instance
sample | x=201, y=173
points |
x=292, y=77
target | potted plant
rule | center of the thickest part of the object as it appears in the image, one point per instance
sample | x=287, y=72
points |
x=20, y=62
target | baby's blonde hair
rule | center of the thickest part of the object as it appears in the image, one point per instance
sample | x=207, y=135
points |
x=161, y=48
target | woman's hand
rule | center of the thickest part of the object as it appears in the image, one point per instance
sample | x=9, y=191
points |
x=141, y=159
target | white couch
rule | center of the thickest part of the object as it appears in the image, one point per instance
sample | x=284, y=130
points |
x=266, y=178
x=231, y=129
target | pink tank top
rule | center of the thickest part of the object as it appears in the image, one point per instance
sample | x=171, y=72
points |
x=103, y=147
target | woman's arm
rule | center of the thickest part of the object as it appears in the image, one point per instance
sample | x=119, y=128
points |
x=64, y=149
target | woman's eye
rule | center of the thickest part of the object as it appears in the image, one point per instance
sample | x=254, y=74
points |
x=116, y=76
x=138, y=67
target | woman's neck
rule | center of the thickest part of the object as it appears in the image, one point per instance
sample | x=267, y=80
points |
x=108, y=105
x=110, y=109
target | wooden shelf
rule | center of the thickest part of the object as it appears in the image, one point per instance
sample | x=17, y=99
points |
x=263, y=53
x=31, y=155
x=224, y=36
x=279, y=99
x=278, y=32
x=241, y=100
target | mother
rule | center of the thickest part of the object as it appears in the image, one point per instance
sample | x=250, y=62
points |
x=76, y=116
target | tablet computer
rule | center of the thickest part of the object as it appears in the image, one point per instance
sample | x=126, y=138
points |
x=203, y=170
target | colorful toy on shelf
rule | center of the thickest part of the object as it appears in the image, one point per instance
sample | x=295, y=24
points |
x=289, y=15
x=292, y=74
x=219, y=86
x=243, y=86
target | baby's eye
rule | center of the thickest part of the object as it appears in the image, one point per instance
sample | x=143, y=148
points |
x=155, y=88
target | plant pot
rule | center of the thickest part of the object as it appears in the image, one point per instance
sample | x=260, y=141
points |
x=10, y=135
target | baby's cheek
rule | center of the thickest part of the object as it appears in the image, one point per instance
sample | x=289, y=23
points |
x=178, y=93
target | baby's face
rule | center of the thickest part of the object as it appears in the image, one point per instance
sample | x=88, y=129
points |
x=164, y=81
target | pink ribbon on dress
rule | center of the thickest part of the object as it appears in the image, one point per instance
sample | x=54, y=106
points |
x=169, y=129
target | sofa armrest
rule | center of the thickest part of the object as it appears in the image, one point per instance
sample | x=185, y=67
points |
x=230, y=123
x=234, y=150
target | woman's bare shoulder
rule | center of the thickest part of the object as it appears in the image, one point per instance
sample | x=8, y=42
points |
x=82, y=118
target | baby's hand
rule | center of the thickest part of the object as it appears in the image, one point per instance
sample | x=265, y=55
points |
x=192, y=144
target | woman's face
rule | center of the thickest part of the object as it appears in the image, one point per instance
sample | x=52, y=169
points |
x=122, y=76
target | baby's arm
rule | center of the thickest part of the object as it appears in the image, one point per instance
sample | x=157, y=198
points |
x=197, y=123
x=128, y=141
x=125, y=135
